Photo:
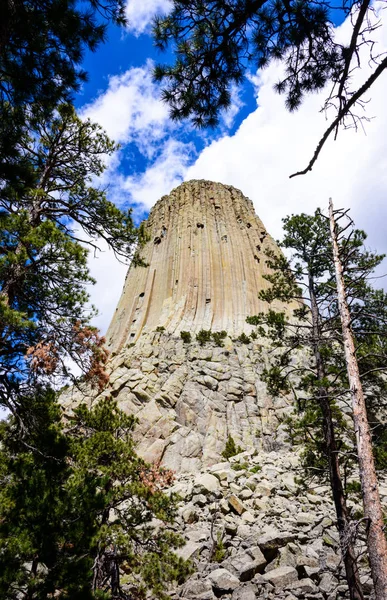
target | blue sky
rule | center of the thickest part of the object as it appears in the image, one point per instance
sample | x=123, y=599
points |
x=127, y=50
x=257, y=145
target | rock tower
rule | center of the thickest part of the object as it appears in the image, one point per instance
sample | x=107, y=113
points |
x=206, y=261
x=250, y=529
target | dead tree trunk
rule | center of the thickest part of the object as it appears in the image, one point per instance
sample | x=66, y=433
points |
x=343, y=519
x=376, y=539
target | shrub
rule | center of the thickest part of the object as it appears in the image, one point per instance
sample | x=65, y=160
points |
x=218, y=336
x=219, y=551
x=203, y=336
x=240, y=466
x=231, y=448
x=160, y=329
x=186, y=337
x=256, y=469
x=244, y=339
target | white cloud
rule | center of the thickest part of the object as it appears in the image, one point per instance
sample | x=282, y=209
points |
x=130, y=110
x=162, y=176
x=140, y=13
x=272, y=143
x=269, y=145
x=228, y=116
x=109, y=274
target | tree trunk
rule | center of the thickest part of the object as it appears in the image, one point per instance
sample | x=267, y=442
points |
x=376, y=539
x=343, y=521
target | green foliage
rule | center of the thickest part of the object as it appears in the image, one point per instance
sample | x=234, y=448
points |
x=271, y=324
x=255, y=469
x=215, y=43
x=218, y=337
x=243, y=338
x=186, y=337
x=48, y=220
x=198, y=33
x=380, y=445
x=160, y=329
x=353, y=487
x=203, y=336
x=240, y=466
x=308, y=357
x=276, y=379
x=231, y=448
x=42, y=46
x=219, y=552
x=76, y=507
x=143, y=235
x=306, y=428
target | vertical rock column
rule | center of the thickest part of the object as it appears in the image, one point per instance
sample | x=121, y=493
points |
x=206, y=261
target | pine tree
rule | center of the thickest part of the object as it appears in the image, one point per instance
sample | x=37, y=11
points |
x=78, y=508
x=47, y=222
x=214, y=43
x=317, y=377
x=41, y=49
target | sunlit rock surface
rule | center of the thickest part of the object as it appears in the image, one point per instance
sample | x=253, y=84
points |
x=206, y=261
x=251, y=529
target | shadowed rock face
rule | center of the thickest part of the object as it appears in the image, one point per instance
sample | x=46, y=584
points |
x=206, y=261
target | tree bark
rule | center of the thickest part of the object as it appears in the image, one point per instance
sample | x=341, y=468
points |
x=376, y=539
x=343, y=520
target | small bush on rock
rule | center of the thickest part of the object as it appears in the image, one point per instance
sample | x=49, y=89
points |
x=255, y=469
x=219, y=551
x=231, y=448
x=240, y=466
x=203, y=336
x=218, y=337
x=186, y=337
x=244, y=339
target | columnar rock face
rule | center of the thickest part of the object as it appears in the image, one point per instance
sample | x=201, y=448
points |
x=251, y=530
x=206, y=261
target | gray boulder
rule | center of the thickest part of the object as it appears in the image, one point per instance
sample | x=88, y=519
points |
x=244, y=566
x=281, y=577
x=206, y=483
x=223, y=581
x=198, y=589
x=244, y=593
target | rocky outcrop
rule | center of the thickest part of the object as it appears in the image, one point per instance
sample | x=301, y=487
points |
x=251, y=530
x=259, y=533
x=206, y=261
x=189, y=398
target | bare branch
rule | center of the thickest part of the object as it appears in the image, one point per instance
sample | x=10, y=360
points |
x=342, y=113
